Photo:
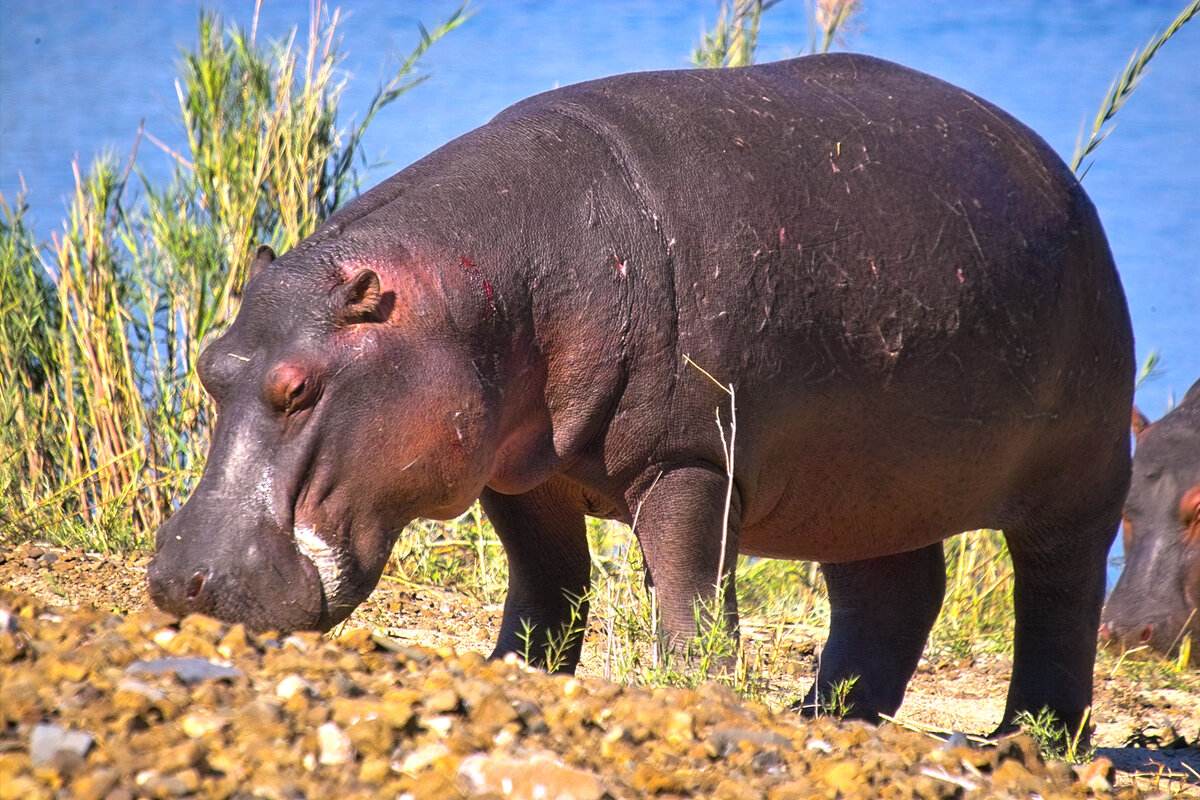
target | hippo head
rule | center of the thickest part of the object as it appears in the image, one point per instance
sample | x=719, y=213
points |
x=1156, y=602
x=342, y=413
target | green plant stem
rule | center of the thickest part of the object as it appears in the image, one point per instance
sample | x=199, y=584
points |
x=1122, y=89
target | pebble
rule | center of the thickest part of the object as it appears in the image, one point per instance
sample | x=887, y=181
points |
x=201, y=723
x=293, y=685
x=96, y=705
x=48, y=742
x=190, y=669
x=538, y=777
x=13, y=640
x=334, y=744
x=421, y=758
x=1098, y=775
x=956, y=739
x=728, y=740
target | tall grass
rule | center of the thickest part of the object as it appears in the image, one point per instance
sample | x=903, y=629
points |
x=102, y=423
x=732, y=40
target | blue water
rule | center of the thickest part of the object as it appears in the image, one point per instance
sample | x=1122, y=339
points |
x=75, y=78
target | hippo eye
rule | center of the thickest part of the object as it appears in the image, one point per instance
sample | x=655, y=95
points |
x=291, y=389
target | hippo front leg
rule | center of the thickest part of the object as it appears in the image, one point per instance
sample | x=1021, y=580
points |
x=681, y=525
x=549, y=573
x=881, y=612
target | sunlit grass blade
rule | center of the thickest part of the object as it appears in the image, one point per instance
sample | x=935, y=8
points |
x=1122, y=89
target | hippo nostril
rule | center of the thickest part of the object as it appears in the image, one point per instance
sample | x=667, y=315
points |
x=1147, y=632
x=195, y=586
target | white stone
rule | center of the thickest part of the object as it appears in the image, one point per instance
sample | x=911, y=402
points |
x=335, y=746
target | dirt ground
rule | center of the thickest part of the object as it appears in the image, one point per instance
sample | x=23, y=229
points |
x=1143, y=726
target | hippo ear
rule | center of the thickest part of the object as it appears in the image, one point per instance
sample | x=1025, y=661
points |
x=262, y=256
x=358, y=299
x=1139, y=422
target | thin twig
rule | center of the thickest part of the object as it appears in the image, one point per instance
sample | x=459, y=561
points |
x=728, y=450
x=172, y=153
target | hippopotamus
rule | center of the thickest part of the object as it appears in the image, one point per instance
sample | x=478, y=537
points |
x=897, y=292
x=1156, y=601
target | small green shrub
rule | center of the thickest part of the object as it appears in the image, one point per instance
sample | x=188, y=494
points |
x=1054, y=740
x=553, y=651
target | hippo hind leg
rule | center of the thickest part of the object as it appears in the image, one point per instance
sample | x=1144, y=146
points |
x=881, y=612
x=1059, y=570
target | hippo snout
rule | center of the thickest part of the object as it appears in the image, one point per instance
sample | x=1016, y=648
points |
x=175, y=592
x=253, y=575
x=1142, y=619
x=1116, y=635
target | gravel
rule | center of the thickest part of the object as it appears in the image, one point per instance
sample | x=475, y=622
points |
x=95, y=704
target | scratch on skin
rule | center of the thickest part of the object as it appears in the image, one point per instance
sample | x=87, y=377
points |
x=1018, y=141
x=893, y=346
x=478, y=273
x=622, y=266
x=958, y=209
x=239, y=358
x=974, y=238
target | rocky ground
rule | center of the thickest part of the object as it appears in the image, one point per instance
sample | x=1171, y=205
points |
x=103, y=697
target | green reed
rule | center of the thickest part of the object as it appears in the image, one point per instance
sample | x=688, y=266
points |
x=1122, y=89
x=732, y=40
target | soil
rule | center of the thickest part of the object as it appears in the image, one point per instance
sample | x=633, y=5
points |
x=1148, y=728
